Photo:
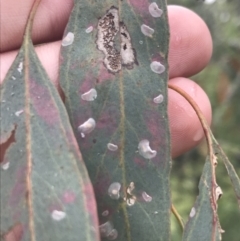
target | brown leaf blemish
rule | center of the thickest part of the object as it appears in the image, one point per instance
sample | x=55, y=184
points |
x=108, y=28
x=15, y=233
x=7, y=141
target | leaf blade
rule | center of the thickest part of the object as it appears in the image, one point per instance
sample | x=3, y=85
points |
x=229, y=167
x=203, y=223
x=52, y=194
x=118, y=120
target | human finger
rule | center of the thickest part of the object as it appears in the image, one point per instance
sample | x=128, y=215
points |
x=186, y=129
x=190, y=46
x=49, y=22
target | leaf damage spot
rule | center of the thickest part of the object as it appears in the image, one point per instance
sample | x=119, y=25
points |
x=4, y=145
x=130, y=197
x=154, y=10
x=18, y=113
x=131, y=201
x=146, y=197
x=90, y=95
x=107, y=231
x=158, y=99
x=58, y=215
x=157, y=67
x=5, y=166
x=20, y=67
x=218, y=193
x=192, y=213
x=109, y=27
x=113, y=235
x=130, y=188
x=112, y=147
x=147, y=31
x=128, y=53
x=215, y=162
x=68, y=39
x=114, y=190
x=87, y=127
x=89, y=29
x=105, y=213
x=145, y=150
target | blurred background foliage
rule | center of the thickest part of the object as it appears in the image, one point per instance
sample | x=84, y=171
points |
x=221, y=81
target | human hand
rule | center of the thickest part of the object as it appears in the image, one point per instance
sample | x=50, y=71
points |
x=190, y=51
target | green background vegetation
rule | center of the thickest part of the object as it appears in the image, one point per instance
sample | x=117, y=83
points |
x=221, y=81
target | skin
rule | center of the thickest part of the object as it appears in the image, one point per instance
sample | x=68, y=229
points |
x=189, y=53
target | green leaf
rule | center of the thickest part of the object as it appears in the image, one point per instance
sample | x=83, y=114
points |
x=112, y=74
x=229, y=167
x=46, y=193
x=203, y=223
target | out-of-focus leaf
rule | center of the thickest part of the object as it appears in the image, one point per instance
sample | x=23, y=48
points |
x=118, y=108
x=203, y=223
x=230, y=169
x=46, y=193
x=209, y=190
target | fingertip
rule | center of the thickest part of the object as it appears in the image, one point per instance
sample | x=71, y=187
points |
x=190, y=42
x=186, y=129
x=48, y=26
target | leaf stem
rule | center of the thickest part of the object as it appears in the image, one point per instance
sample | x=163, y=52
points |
x=177, y=216
x=28, y=29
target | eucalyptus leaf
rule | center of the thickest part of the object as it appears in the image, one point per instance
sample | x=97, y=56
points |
x=114, y=72
x=203, y=223
x=45, y=190
x=230, y=169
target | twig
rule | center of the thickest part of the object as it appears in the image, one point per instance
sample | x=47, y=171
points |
x=177, y=216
